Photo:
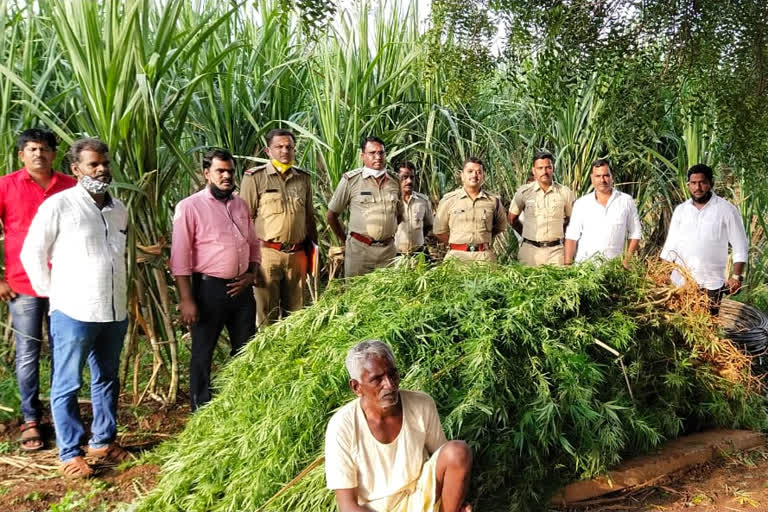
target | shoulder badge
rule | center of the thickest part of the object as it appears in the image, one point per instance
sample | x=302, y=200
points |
x=353, y=173
x=254, y=170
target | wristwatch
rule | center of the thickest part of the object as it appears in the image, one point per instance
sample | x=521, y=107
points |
x=738, y=277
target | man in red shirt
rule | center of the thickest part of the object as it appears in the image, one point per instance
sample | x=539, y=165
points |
x=214, y=259
x=21, y=193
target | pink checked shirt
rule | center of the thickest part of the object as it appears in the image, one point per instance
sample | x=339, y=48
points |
x=212, y=237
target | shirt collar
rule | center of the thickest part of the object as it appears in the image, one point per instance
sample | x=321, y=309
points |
x=271, y=170
x=614, y=193
x=369, y=173
x=712, y=200
x=209, y=195
x=464, y=193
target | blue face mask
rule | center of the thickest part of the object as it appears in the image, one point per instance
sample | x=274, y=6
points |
x=92, y=185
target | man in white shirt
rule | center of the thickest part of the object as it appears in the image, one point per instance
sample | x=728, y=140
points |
x=81, y=232
x=602, y=220
x=386, y=451
x=699, y=234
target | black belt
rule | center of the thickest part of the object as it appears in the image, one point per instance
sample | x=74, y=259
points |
x=553, y=243
x=206, y=277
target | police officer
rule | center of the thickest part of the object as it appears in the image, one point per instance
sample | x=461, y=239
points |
x=279, y=196
x=547, y=206
x=375, y=210
x=418, y=213
x=468, y=218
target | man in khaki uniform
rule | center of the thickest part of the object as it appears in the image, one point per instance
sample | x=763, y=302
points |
x=547, y=206
x=468, y=218
x=279, y=196
x=375, y=210
x=418, y=213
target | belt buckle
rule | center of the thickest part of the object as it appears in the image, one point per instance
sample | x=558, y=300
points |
x=472, y=248
x=377, y=243
x=285, y=246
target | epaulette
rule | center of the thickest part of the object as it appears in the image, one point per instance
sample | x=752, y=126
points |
x=353, y=173
x=254, y=170
x=452, y=193
x=299, y=169
x=421, y=196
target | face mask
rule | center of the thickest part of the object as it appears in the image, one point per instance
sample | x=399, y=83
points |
x=221, y=195
x=94, y=186
x=280, y=166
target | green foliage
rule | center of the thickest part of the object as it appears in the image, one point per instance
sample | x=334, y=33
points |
x=508, y=353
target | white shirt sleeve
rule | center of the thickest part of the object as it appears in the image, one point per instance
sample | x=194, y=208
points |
x=576, y=223
x=634, y=227
x=737, y=236
x=669, y=251
x=435, y=437
x=36, y=252
x=340, y=467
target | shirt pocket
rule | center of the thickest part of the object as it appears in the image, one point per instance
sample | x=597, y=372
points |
x=271, y=204
x=485, y=219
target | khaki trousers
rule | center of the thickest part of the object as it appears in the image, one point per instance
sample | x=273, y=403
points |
x=534, y=256
x=470, y=256
x=360, y=258
x=284, y=282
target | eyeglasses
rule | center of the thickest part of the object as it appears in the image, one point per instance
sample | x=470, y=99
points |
x=375, y=153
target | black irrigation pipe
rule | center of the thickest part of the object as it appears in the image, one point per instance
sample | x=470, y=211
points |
x=745, y=325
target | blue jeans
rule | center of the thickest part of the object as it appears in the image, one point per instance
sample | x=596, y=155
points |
x=28, y=314
x=74, y=342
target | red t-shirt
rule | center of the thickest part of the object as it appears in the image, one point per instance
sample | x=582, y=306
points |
x=20, y=197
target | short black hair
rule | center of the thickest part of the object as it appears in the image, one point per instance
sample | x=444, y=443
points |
x=279, y=132
x=371, y=138
x=88, y=144
x=602, y=162
x=541, y=155
x=407, y=164
x=702, y=169
x=473, y=160
x=218, y=154
x=36, y=135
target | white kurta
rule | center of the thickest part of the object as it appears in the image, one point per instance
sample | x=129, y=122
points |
x=393, y=477
x=699, y=239
x=602, y=230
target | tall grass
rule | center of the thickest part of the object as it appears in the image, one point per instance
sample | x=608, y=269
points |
x=161, y=81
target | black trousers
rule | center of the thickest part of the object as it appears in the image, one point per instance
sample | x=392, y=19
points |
x=715, y=297
x=216, y=310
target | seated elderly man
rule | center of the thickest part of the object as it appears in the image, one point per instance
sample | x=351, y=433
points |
x=386, y=450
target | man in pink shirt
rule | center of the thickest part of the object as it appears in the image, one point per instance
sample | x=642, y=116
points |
x=214, y=259
x=21, y=193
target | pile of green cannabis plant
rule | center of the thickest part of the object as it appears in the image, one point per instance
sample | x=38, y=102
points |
x=522, y=363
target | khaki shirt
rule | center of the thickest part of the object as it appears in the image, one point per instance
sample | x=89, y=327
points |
x=545, y=212
x=470, y=221
x=418, y=219
x=281, y=207
x=373, y=211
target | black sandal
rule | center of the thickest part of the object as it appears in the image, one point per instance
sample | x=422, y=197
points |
x=30, y=433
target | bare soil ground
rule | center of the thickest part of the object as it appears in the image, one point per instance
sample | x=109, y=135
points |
x=30, y=482
x=735, y=482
